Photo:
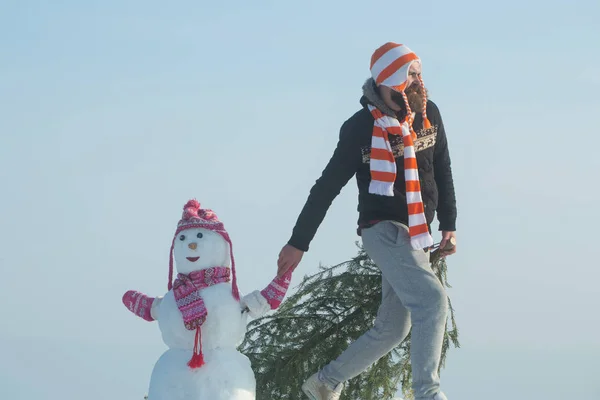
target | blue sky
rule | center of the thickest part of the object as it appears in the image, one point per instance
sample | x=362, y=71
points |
x=114, y=114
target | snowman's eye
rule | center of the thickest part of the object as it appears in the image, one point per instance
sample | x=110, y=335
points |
x=199, y=235
x=182, y=237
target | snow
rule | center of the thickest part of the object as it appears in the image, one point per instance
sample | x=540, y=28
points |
x=227, y=374
x=212, y=249
x=225, y=325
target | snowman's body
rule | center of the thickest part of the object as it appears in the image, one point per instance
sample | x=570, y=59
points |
x=224, y=327
x=201, y=319
x=227, y=373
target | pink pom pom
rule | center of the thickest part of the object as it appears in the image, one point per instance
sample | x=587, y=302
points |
x=193, y=204
x=207, y=215
x=190, y=210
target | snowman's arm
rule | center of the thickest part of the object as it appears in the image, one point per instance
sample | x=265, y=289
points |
x=142, y=305
x=256, y=305
x=154, y=309
x=261, y=302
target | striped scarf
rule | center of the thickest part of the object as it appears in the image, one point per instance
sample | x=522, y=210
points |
x=389, y=66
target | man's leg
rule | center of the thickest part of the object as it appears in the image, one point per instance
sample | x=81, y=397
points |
x=391, y=327
x=410, y=275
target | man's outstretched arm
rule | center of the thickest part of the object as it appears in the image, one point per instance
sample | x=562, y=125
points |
x=340, y=168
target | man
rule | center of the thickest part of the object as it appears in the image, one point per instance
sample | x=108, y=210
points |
x=397, y=148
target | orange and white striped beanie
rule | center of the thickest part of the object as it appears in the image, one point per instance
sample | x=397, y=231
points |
x=389, y=67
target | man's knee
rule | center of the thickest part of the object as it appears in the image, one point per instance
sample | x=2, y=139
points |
x=393, y=329
x=437, y=300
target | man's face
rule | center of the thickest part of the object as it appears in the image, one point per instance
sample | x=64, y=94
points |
x=414, y=72
x=414, y=91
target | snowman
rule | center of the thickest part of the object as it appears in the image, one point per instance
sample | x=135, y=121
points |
x=202, y=318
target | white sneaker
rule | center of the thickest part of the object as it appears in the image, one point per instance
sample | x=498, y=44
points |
x=317, y=390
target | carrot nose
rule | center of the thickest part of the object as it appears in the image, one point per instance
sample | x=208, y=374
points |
x=193, y=245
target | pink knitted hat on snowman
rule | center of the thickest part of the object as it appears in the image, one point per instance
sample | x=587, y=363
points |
x=196, y=217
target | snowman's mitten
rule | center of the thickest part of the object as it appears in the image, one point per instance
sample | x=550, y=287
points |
x=139, y=304
x=275, y=292
x=256, y=304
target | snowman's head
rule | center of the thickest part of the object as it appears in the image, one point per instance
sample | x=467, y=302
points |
x=198, y=248
x=200, y=242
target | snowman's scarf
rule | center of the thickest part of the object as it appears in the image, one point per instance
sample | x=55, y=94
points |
x=186, y=289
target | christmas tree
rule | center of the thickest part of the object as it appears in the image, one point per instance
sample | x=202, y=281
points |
x=331, y=309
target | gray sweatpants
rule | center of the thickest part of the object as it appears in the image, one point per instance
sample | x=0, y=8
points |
x=411, y=294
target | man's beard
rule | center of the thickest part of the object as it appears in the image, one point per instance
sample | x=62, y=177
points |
x=415, y=95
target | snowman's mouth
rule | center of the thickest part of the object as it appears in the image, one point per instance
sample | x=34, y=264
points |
x=193, y=259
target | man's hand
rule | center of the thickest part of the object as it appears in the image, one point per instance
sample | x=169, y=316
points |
x=446, y=235
x=289, y=258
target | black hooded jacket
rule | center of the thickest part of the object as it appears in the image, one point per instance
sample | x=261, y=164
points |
x=351, y=157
